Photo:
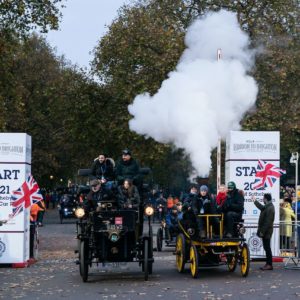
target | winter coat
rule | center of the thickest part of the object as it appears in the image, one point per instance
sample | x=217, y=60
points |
x=234, y=202
x=103, y=170
x=221, y=198
x=172, y=219
x=127, y=198
x=266, y=219
x=93, y=198
x=128, y=170
x=286, y=217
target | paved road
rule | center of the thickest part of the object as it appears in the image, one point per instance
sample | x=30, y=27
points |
x=56, y=276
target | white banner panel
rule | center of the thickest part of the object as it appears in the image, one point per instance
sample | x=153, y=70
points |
x=249, y=145
x=13, y=247
x=15, y=166
x=15, y=147
x=249, y=156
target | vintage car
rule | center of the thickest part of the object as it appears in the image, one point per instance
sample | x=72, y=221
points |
x=211, y=250
x=110, y=234
x=164, y=238
x=67, y=206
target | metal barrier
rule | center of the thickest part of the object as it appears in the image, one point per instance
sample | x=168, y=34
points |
x=285, y=242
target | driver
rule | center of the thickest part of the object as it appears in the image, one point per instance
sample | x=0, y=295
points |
x=97, y=195
x=172, y=221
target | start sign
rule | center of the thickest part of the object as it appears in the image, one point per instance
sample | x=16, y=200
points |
x=253, y=163
x=15, y=166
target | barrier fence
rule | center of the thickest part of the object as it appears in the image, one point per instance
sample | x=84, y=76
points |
x=285, y=242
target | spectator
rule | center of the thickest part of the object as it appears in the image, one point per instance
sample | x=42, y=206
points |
x=265, y=228
x=287, y=215
x=48, y=199
x=298, y=223
x=54, y=199
x=41, y=212
x=170, y=203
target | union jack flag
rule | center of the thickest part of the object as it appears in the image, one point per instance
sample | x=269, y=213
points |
x=266, y=174
x=26, y=195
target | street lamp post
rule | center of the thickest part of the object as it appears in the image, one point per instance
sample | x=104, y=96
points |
x=294, y=160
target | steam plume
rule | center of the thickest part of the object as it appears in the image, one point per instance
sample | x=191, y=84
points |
x=203, y=98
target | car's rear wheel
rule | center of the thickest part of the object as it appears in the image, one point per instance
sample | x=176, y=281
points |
x=180, y=252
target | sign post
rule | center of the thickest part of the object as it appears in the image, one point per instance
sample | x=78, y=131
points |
x=252, y=162
x=15, y=166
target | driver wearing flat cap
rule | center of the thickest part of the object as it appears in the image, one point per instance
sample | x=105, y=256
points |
x=97, y=195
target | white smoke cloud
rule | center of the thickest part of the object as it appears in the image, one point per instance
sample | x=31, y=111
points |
x=203, y=98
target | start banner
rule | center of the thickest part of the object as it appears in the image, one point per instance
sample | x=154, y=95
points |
x=253, y=163
x=15, y=166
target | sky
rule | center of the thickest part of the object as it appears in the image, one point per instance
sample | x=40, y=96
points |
x=83, y=24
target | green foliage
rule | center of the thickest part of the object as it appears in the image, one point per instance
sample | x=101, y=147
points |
x=145, y=42
x=24, y=15
x=72, y=118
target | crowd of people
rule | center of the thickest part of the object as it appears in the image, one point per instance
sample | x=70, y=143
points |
x=122, y=182
x=199, y=201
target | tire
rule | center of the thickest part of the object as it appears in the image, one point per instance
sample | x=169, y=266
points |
x=180, y=253
x=145, y=262
x=84, y=267
x=61, y=218
x=194, y=259
x=245, y=260
x=159, y=239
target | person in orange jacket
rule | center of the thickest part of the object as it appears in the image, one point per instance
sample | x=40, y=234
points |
x=34, y=210
x=170, y=203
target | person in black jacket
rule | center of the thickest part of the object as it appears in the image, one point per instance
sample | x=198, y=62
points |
x=128, y=195
x=192, y=207
x=128, y=168
x=97, y=195
x=232, y=208
x=103, y=169
x=265, y=227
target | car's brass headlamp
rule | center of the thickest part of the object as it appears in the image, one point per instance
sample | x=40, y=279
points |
x=149, y=211
x=79, y=212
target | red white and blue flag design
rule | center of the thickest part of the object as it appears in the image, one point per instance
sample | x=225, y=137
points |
x=26, y=195
x=266, y=175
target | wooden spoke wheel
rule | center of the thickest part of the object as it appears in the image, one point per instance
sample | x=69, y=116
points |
x=180, y=253
x=194, y=260
x=245, y=260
